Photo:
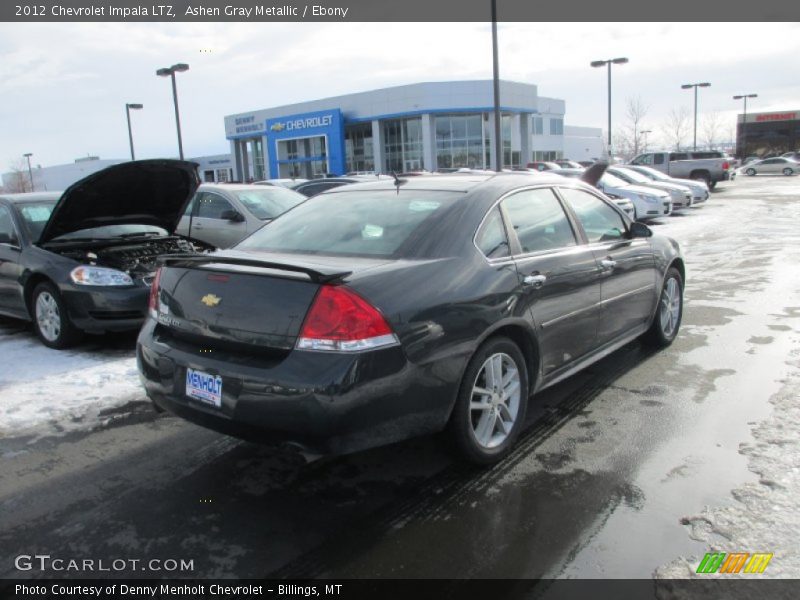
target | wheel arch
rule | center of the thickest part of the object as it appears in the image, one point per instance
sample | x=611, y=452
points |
x=30, y=284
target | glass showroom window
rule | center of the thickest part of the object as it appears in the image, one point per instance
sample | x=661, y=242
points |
x=459, y=140
x=403, y=145
x=358, y=149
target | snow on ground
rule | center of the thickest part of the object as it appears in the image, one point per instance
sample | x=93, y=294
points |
x=45, y=391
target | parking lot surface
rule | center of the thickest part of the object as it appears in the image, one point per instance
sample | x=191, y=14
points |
x=633, y=468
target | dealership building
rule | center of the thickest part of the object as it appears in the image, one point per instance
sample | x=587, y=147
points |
x=768, y=133
x=436, y=125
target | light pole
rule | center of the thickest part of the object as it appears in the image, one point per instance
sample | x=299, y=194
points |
x=170, y=72
x=498, y=146
x=687, y=86
x=644, y=133
x=28, y=155
x=128, y=108
x=602, y=63
x=744, y=122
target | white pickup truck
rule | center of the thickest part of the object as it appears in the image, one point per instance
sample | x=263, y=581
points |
x=708, y=166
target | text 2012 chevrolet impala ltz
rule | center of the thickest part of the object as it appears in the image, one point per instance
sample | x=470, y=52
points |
x=380, y=311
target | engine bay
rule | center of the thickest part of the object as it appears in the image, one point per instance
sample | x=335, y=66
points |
x=137, y=259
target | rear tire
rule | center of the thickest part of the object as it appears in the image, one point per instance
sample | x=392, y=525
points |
x=50, y=319
x=750, y=172
x=667, y=320
x=787, y=171
x=492, y=401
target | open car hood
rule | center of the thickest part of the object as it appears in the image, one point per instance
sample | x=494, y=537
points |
x=146, y=192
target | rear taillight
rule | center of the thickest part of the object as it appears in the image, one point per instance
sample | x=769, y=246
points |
x=152, y=304
x=726, y=165
x=342, y=321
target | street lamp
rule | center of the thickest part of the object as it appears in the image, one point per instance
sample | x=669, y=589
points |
x=170, y=72
x=744, y=121
x=128, y=108
x=644, y=133
x=687, y=86
x=28, y=155
x=602, y=63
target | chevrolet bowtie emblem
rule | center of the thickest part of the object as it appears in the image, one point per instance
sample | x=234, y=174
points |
x=210, y=300
x=277, y=127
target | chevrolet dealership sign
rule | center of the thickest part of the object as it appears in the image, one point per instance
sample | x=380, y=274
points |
x=308, y=122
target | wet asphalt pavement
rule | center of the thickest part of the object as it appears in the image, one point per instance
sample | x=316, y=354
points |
x=612, y=461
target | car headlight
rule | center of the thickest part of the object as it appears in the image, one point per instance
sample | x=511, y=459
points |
x=84, y=275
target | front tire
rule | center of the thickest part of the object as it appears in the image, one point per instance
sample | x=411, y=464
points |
x=492, y=402
x=787, y=171
x=50, y=319
x=750, y=172
x=669, y=313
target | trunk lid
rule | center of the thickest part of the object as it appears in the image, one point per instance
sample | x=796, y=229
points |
x=246, y=300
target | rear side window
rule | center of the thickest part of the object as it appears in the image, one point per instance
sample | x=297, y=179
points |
x=600, y=222
x=538, y=220
x=373, y=223
x=492, y=239
x=658, y=159
x=679, y=156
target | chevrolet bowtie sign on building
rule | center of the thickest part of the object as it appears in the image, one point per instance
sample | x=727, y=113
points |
x=306, y=144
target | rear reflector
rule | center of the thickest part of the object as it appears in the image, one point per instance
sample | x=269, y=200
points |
x=152, y=303
x=342, y=321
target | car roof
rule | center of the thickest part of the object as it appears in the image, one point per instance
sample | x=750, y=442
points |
x=456, y=182
x=31, y=197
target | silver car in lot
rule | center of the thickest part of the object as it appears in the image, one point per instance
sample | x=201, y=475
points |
x=648, y=203
x=680, y=195
x=224, y=214
x=699, y=189
x=577, y=173
x=772, y=166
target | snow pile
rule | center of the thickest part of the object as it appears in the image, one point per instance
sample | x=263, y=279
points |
x=45, y=391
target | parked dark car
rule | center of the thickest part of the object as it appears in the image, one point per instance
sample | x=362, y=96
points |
x=83, y=261
x=317, y=186
x=386, y=310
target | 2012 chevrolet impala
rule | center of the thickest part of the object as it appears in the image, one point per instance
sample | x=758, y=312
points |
x=392, y=309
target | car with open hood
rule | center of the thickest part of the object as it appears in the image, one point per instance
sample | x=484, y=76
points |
x=83, y=260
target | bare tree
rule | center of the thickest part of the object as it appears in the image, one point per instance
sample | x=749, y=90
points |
x=628, y=139
x=676, y=127
x=712, y=129
x=17, y=179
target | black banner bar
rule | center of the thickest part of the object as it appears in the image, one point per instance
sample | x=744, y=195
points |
x=39, y=11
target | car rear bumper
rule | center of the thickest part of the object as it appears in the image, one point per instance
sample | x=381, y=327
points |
x=324, y=402
x=102, y=309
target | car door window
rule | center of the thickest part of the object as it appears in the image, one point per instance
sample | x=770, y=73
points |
x=600, y=221
x=212, y=205
x=539, y=220
x=658, y=159
x=492, y=239
x=7, y=232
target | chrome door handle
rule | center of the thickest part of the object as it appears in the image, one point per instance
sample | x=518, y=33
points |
x=536, y=281
x=608, y=264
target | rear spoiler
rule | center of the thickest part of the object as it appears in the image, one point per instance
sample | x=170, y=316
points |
x=191, y=260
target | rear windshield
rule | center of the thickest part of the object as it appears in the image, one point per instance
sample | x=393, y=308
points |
x=268, y=202
x=373, y=223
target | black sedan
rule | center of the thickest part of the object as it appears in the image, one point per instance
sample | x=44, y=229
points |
x=386, y=310
x=83, y=261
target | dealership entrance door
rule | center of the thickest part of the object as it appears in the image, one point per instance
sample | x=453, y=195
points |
x=303, y=157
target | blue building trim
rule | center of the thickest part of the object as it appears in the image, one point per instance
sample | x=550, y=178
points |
x=328, y=123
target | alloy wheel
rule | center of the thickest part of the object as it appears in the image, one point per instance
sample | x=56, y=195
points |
x=48, y=317
x=670, y=307
x=495, y=400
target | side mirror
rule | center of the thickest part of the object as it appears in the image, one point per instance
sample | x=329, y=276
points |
x=232, y=215
x=640, y=230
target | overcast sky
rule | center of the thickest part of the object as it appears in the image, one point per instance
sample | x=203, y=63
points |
x=63, y=87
